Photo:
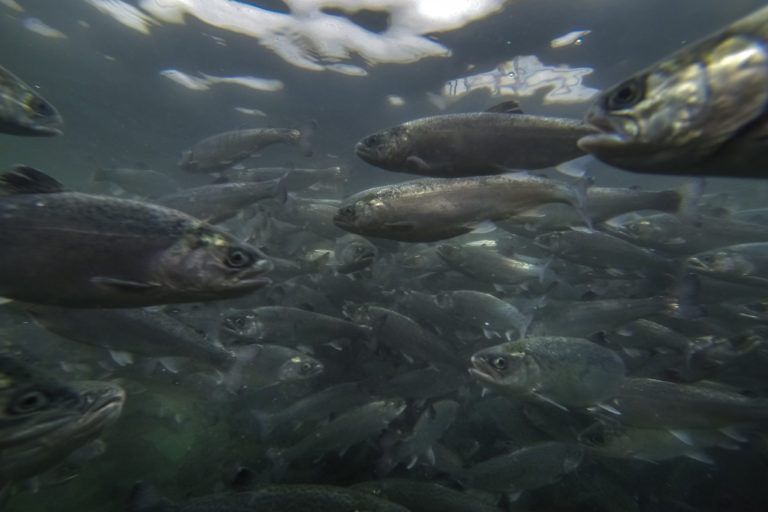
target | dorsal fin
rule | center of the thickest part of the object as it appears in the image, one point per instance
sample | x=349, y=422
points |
x=28, y=180
x=506, y=107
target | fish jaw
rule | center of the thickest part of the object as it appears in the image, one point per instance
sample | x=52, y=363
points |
x=483, y=371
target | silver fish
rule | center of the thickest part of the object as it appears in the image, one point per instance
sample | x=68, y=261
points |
x=699, y=111
x=474, y=144
x=431, y=209
x=23, y=111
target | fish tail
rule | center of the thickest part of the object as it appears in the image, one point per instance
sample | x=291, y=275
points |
x=690, y=194
x=307, y=131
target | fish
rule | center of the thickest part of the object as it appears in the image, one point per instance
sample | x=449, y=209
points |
x=264, y=365
x=270, y=498
x=423, y=496
x=136, y=331
x=565, y=372
x=44, y=419
x=289, y=325
x=218, y=202
x=23, y=111
x=699, y=111
x=428, y=429
x=491, y=267
x=349, y=428
x=353, y=253
x=531, y=467
x=741, y=263
x=223, y=150
x=654, y=403
x=474, y=144
x=294, y=178
x=102, y=251
x=136, y=180
x=433, y=209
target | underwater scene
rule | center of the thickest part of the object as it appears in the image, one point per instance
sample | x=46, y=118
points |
x=383, y=255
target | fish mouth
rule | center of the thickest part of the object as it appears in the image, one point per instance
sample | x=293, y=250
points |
x=366, y=151
x=482, y=369
x=695, y=263
x=613, y=132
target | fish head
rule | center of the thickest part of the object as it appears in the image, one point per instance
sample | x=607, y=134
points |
x=42, y=420
x=636, y=229
x=352, y=250
x=300, y=367
x=387, y=147
x=360, y=214
x=240, y=324
x=506, y=368
x=34, y=116
x=681, y=109
x=208, y=263
x=720, y=262
x=187, y=160
x=450, y=253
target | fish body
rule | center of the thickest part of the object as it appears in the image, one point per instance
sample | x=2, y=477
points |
x=423, y=496
x=23, y=111
x=293, y=178
x=653, y=403
x=138, y=331
x=489, y=266
x=528, y=468
x=287, y=325
x=270, y=498
x=43, y=419
x=351, y=427
x=219, y=202
x=223, y=150
x=700, y=111
x=569, y=372
x=74, y=249
x=473, y=144
x=431, y=209
x=144, y=182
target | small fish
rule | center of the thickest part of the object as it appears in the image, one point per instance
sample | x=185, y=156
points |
x=431, y=209
x=223, y=150
x=565, y=372
x=353, y=253
x=571, y=38
x=221, y=201
x=252, y=82
x=190, y=82
x=699, y=111
x=82, y=250
x=23, y=111
x=474, y=144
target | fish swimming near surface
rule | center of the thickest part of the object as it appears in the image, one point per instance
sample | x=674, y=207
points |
x=23, y=111
x=223, y=150
x=702, y=110
x=74, y=249
x=474, y=144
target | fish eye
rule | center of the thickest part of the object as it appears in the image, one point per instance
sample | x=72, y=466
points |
x=40, y=107
x=29, y=402
x=239, y=258
x=347, y=211
x=499, y=362
x=306, y=368
x=626, y=95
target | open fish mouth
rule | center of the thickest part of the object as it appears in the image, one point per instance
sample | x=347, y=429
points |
x=613, y=132
x=482, y=369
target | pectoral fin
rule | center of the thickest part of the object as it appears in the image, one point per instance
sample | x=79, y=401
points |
x=123, y=284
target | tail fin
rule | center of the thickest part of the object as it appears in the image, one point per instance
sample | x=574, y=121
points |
x=307, y=135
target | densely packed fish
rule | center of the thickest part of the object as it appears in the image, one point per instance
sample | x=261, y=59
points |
x=474, y=341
